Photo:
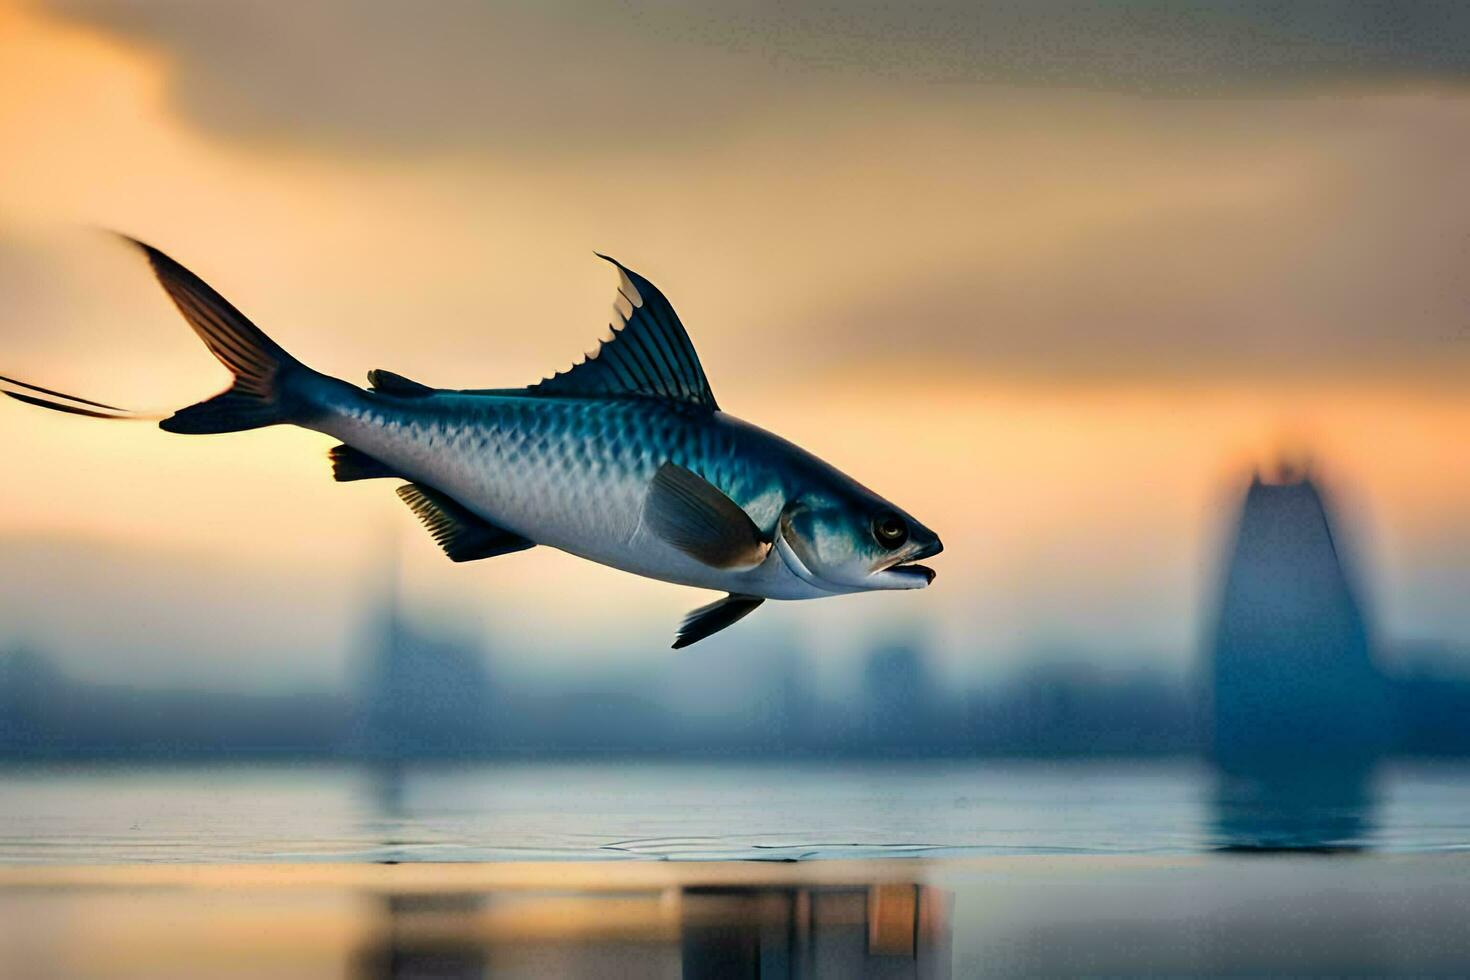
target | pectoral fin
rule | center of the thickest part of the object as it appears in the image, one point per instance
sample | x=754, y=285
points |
x=710, y=619
x=463, y=536
x=687, y=511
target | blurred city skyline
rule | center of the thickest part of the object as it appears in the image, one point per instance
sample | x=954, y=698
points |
x=1290, y=687
x=1057, y=309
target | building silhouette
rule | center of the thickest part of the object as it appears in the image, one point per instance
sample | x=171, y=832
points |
x=1295, y=696
x=898, y=702
x=1299, y=713
x=423, y=694
x=1293, y=681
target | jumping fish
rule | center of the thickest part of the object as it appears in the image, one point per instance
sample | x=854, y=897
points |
x=624, y=459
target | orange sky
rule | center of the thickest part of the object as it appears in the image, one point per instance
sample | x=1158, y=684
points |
x=1058, y=326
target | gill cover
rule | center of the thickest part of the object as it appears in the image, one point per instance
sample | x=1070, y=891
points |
x=796, y=534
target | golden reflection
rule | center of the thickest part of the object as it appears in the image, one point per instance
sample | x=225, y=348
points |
x=645, y=919
x=889, y=930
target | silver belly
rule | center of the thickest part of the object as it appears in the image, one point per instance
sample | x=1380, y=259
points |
x=564, y=495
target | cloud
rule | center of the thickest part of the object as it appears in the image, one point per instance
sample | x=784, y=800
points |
x=542, y=77
x=1044, y=233
x=1356, y=264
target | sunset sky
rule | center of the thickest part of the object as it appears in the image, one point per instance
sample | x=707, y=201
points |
x=1054, y=277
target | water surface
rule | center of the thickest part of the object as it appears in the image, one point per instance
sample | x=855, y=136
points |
x=628, y=810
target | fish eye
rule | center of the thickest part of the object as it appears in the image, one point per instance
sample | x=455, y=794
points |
x=890, y=530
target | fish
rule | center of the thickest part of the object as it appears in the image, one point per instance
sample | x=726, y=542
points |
x=624, y=459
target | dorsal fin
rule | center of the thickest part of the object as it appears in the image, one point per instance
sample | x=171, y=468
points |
x=648, y=355
x=389, y=383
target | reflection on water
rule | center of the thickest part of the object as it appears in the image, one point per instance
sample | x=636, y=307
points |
x=425, y=936
x=1322, y=810
x=1037, y=915
x=880, y=930
x=385, y=786
x=896, y=930
x=624, y=810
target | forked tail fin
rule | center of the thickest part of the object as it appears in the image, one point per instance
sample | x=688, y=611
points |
x=267, y=379
x=260, y=395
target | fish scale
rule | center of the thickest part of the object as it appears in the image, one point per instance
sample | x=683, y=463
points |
x=564, y=473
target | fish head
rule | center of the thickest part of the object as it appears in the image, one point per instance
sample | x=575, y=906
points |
x=854, y=541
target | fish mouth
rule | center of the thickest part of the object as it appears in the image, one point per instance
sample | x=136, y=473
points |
x=906, y=568
x=914, y=571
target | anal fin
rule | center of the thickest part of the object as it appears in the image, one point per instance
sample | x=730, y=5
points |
x=350, y=464
x=463, y=536
x=708, y=620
